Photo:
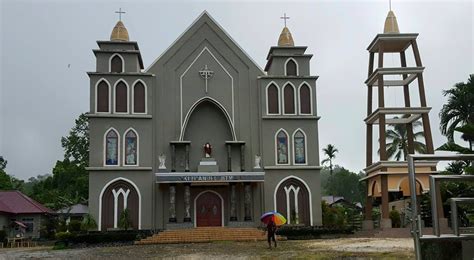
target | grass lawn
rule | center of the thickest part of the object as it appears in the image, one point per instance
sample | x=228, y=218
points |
x=346, y=248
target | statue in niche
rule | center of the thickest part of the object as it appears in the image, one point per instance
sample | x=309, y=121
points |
x=258, y=159
x=207, y=150
x=162, y=159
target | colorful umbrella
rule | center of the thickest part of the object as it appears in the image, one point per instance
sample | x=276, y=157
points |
x=278, y=218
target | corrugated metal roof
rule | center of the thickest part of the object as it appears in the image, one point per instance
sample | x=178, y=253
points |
x=16, y=202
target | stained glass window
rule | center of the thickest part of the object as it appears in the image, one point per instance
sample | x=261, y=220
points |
x=300, y=148
x=282, y=148
x=131, y=148
x=111, y=149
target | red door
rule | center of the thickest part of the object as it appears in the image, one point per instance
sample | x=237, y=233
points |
x=209, y=210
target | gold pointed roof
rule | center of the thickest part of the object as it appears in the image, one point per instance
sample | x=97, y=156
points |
x=391, y=25
x=285, y=40
x=119, y=33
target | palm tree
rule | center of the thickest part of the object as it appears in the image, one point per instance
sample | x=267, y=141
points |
x=459, y=110
x=330, y=152
x=398, y=141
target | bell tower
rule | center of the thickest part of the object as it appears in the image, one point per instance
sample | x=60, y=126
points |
x=387, y=179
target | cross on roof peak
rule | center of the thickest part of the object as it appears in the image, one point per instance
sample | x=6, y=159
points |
x=120, y=12
x=284, y=17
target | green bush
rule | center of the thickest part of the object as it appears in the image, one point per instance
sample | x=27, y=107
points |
x=301, y=233
x=395, y=217
x=74, y=226
x=3, y=236
x=333, y=217
x=61, y=226
x=125, y=221
x=88, y=223
x=65, y=236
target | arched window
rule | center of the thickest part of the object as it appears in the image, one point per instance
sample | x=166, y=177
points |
x=273, y=106
x=111, y=148
x=139, y=98
x=299, y=144
x=121, y=98
x=291, y=68
x=116, y=64
x=131, y=148
x=103, y=97
x=305, y=99
x=282, y=147
x=289, y=99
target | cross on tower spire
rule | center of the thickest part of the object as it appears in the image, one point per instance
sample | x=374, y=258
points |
x=284, y=17
x=120, y=12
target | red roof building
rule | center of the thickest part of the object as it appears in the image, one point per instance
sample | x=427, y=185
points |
x=16, y=207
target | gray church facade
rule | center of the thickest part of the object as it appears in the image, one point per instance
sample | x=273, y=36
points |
x=203, y=136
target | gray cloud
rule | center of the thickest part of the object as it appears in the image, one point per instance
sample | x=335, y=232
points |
x=40, y=96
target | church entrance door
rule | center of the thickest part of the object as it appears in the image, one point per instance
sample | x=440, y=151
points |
x=209, y=210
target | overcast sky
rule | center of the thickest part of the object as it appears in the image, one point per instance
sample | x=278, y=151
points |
x=40, y=95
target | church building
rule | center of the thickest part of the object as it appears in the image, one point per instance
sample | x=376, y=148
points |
x=204, y=136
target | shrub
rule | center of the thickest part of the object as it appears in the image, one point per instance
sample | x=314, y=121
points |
x=65, y=236
x=125, y=221
x=395, y=217
x=88, y=223
x=74, y=226
x=3, y=236
x=301, y=233
x=333, y=217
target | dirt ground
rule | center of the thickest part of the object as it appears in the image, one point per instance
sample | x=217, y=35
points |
x=343, y=248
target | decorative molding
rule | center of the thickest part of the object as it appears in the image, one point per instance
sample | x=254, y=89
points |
x=181, y=84
x=119, y=168
x=133, y=98
x=294, y=99
x=139, y=201
x=115, y=100
x=96, y=97
x=279, y=98
x=309, y=193
x=310, y=98
x=121, y=58
x=297, y=66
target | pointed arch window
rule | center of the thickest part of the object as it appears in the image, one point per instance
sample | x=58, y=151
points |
x=103, y=97
x=289, y=99
x=305, y=99
x=291, y=68
x=116, y=64
x=139, y=97
x=121, y=97
x=282, y=147
x=111, y=148
x=273, y=106
x=131, y=148
x=299, y=144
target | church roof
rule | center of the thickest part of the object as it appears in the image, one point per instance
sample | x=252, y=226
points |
x=119, y=33
x=285, y=39
x=206, y=18
x=391, y=25
x=15, y=202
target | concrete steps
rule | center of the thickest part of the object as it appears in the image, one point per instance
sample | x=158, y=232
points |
x=205, y=234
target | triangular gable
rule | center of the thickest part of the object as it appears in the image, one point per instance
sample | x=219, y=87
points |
x=205, y=17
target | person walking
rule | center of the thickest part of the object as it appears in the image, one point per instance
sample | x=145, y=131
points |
x=271, y=230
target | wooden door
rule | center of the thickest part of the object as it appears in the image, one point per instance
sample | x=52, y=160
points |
x=209, y=210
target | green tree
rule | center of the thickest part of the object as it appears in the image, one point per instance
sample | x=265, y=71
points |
x=76, y=144
x=330, y=152
x=398, y=141
x=459, y=109
x=8, y=182
x=343, y=183
x=69, y=182
x=125, y=221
